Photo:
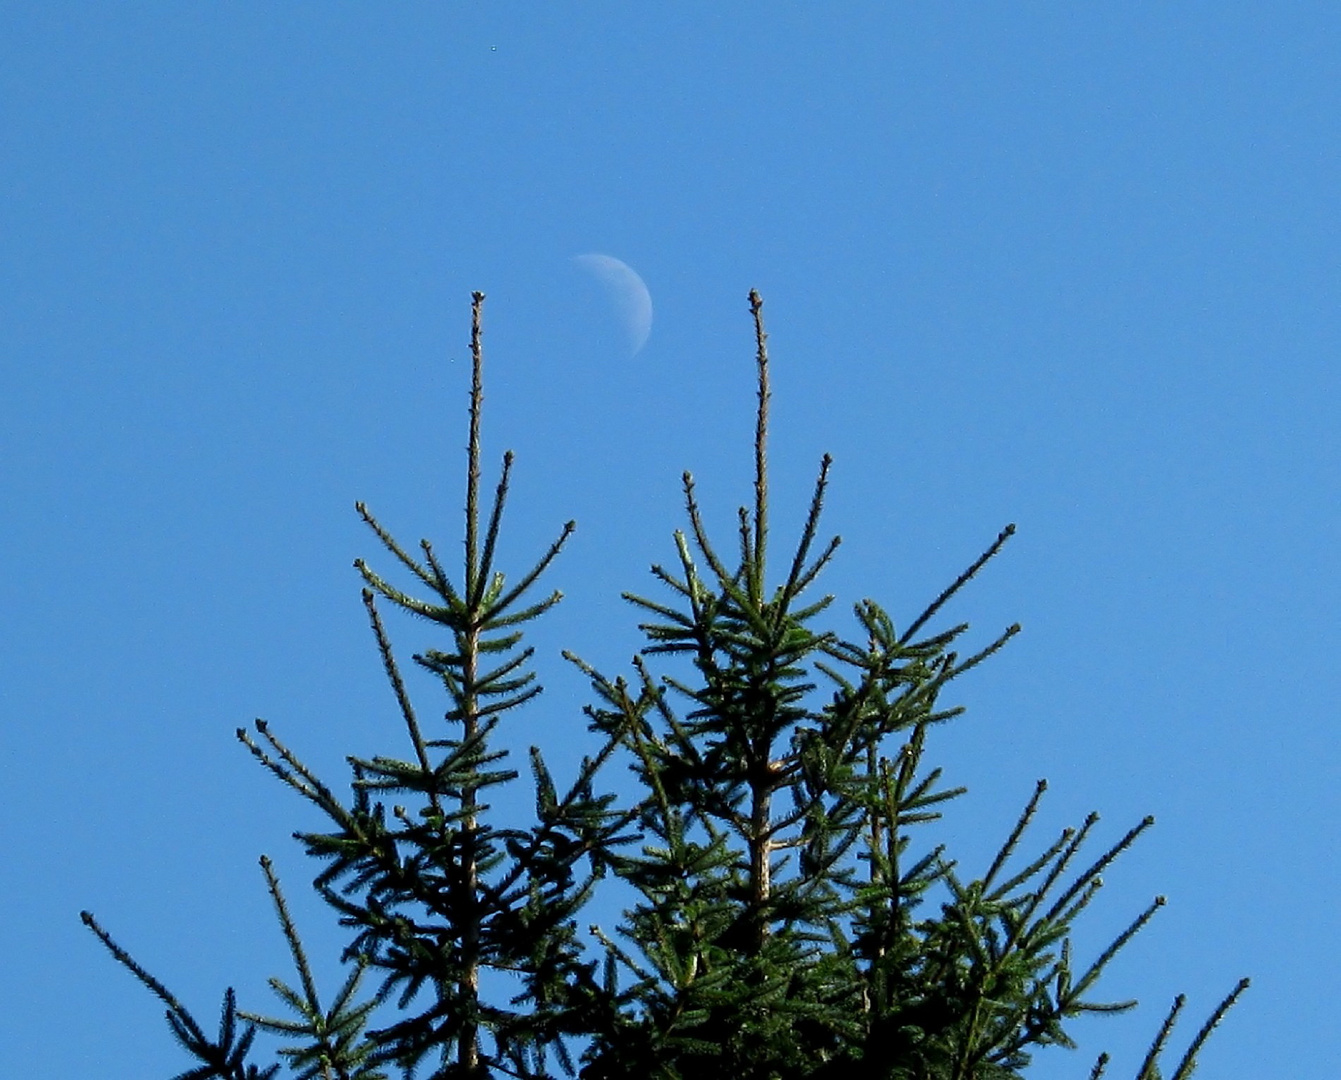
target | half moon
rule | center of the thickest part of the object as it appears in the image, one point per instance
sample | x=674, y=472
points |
x=632, y=301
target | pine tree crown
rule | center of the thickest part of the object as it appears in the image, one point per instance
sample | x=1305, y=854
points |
x=780, y=923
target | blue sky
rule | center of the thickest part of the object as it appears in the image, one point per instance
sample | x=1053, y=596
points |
x=1068, y=267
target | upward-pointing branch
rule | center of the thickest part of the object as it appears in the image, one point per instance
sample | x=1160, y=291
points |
x=473, y=449
x=760, y=449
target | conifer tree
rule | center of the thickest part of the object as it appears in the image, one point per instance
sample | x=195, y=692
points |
x=781, y=926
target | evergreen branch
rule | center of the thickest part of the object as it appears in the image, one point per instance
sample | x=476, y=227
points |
x=922, y=796
x=175, y=1007
x=526, y=614
x=285, y=775
x=389, y=542
x=791, y=589
x=224, y=1059
x=744, y=530
x=475, y=642
x=1149, y=1069
x=526, y=582
x=959, y=583
x=700, y=534
x=1008, y=848
x=473, y=577
x=448, y=615
x=290, y=933
x=397, y=683
x=496, y=707
x=1189, y=1061
x=1050, y=929
x=1100, y=864
x=978, y=657
x=1096, y=968
x=1033, y=868
x=441, y=583
x=760, y=450
x=491, y=534
x=485, y=684
x=312, y=787
x=333, y=1051
x=810, y=573
x=683, y=622
x=811, y=610
x=1075, y=839
x=693, y=584
x=660, y=572
x=623, y=957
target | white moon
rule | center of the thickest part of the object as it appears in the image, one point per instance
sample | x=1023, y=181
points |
x=626, y=291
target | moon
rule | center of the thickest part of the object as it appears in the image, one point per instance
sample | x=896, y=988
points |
x=632, y=301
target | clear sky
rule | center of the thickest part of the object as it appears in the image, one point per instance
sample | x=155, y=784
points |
x=1071, y=266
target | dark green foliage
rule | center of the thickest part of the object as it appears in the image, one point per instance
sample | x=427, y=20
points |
x=781, y=923
x=225, y=1058
x=330, y=1041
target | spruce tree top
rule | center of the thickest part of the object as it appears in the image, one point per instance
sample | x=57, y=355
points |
x=781, y=922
